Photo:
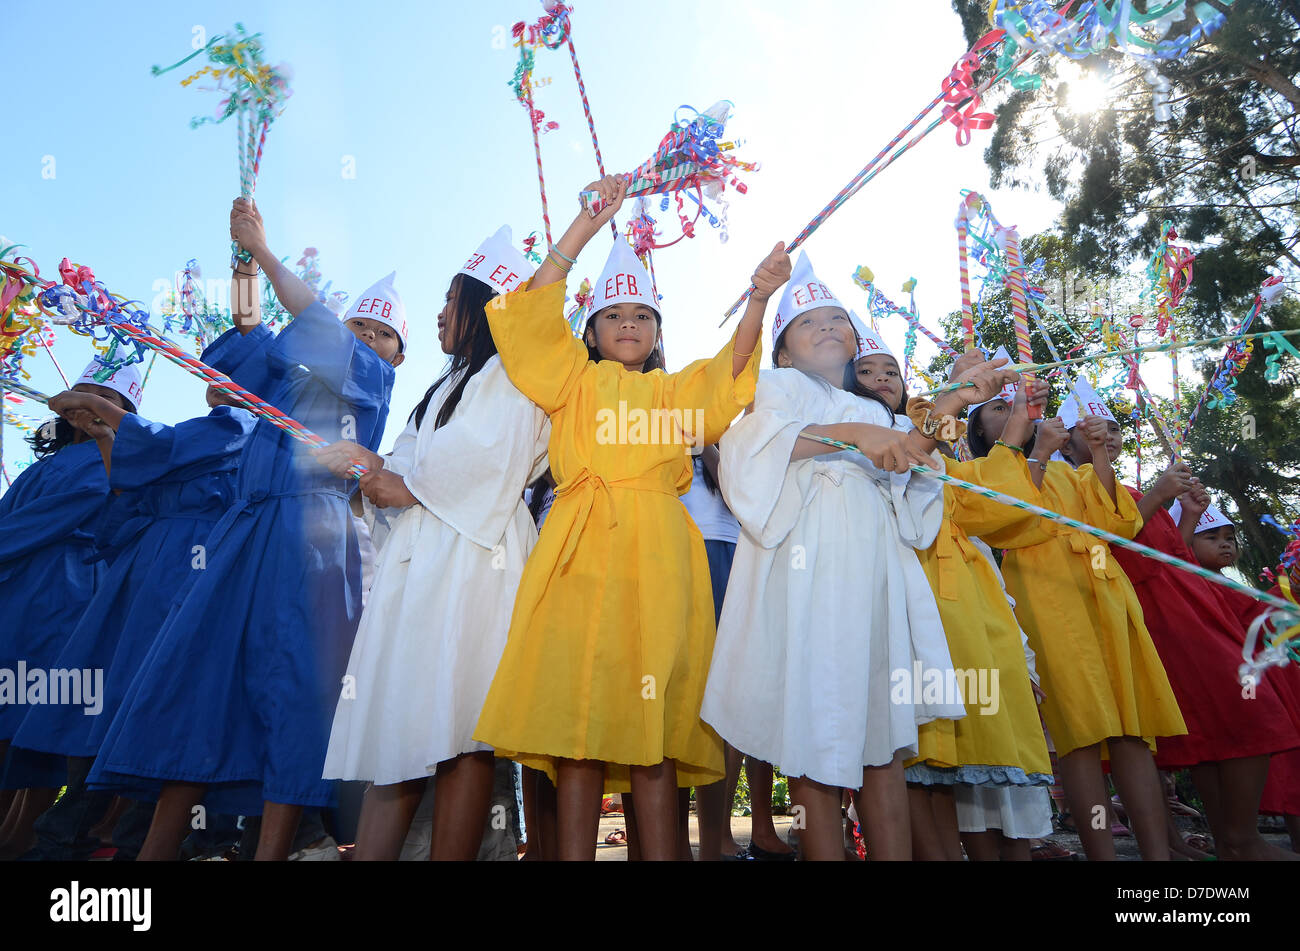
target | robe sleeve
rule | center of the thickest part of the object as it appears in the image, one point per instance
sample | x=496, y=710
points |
x=243, y=358
x=472, y=471
x=707, y=387
x=145, y=452
x=1140, y=568
x=542, y=357
x=317, y=340
x=757, y=483
x=1006, y=471
x=73, y=502
x=918, y=499
x=1120, y=517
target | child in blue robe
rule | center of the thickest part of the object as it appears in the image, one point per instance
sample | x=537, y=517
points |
x=233, y=705
x=173, y=484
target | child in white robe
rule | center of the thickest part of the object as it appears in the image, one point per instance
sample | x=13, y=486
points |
x=828, y=608
x=439, y=610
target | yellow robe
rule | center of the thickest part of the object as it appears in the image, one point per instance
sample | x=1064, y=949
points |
x=612, y=632
x=1096, y=661
x=1000, y=740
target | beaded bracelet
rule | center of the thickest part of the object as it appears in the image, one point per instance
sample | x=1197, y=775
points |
x=563, y=255
x=1007, y=445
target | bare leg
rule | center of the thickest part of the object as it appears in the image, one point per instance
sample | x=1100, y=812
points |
x=1240, y=784
x=1087, y=796
x=983, y=846
x=171, y=822
x=386, y=814
x=821, y=839
x=734, y=759
x=461, y=801
x=279, y=826
x=577, y=808
x=714, y=816
x=1015, y=850
x=762, y=828
x=883, y=812
x=655, y=791
x=103, y=831
x=21, y=836
x=684, y=852
x=1293, y=827
x=629, y=819
x=1138, y=783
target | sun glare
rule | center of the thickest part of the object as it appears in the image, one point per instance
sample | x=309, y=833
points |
x=1087, y=94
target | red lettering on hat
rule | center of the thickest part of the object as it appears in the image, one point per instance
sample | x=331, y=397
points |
x=631, y=285
x=387, y=310
x=474, y=261
x=799, y=299
x=871, y=344
x=1096, y=409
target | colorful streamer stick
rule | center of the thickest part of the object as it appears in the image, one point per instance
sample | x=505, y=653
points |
x=1146, y=348
x=879, y=163
x=1016, y=283
x=255, y=97
x=1287, y=608
x=106, y=316
x=691, y=156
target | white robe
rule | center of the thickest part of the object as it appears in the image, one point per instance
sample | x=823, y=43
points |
x=827, y=602
x=435, y=626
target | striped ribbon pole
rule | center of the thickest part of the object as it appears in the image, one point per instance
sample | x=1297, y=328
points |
x=173, y=352
x=1225, y=361
x=869, y=171
x=1147, y=348
x=537, y=148
x=1101, y=533
x=22, y=389
x=246, y=398
x=963, y=271
x=586, y=106
x=1016, y=282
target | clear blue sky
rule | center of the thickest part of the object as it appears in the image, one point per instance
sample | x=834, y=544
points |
x=416, y=96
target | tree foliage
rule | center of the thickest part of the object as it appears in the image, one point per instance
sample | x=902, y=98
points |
x=1226, y=170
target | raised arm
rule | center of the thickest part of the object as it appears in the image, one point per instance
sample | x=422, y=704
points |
x=246, y=228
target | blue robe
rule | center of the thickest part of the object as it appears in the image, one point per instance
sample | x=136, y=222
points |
x=239, y=688
x=176, y=482
x=47, y=531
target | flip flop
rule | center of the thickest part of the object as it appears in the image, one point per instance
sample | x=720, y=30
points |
x=617, y=837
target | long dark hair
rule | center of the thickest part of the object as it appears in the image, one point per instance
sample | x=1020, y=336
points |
x=474, y=347
x=51, y=436
x=656, y=359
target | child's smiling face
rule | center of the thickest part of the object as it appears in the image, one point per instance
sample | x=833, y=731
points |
x=880, y=373
x=1216, y=548
x=379, y=337
x=819, y=341
x=626, y=333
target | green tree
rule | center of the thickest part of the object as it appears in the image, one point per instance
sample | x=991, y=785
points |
x=1225, y=170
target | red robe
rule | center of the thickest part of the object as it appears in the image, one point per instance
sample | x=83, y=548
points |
x=1282, y=791
x=1199, y=641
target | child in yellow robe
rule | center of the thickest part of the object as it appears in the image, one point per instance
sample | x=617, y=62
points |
x=1000, y=740
x=1106, y=689
x=612, y=633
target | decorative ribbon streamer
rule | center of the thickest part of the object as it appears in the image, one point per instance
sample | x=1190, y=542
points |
x=1147, y=348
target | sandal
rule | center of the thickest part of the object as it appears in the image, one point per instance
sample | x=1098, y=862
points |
x=1066, y=823
x=617, y=837
x=607, y=807
x=1120, y=831
x=1200, y=842
x=1051, y=851
x=759, y=854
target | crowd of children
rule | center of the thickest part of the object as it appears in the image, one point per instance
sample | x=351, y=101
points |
x=713, y=583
